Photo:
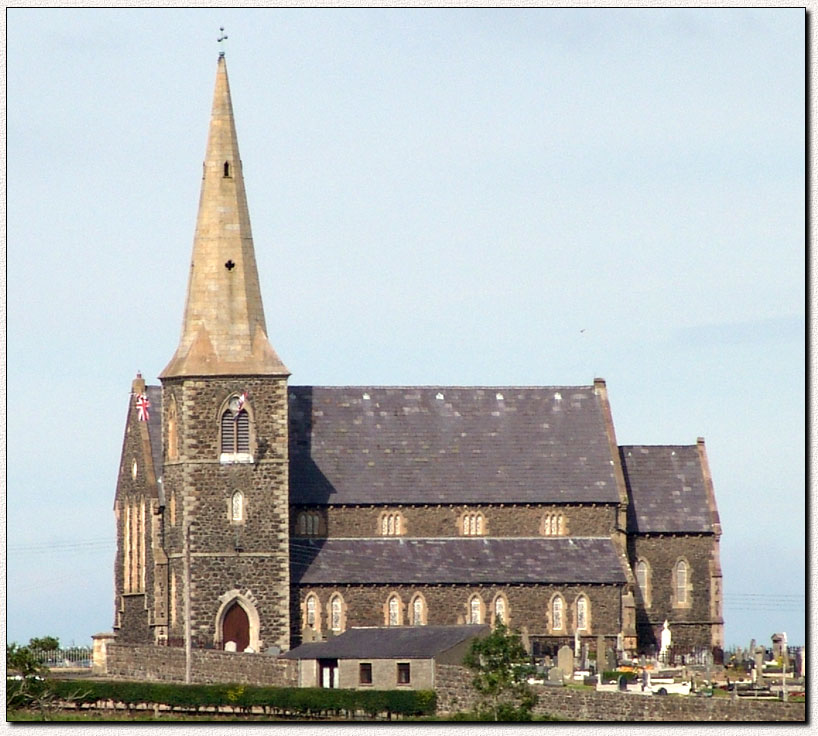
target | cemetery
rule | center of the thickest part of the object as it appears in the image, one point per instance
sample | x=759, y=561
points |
x=757, y=672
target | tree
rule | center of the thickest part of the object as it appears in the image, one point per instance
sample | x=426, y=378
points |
x=501, y=669
x=44, y=643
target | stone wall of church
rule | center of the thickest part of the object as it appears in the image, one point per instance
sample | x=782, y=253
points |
x=446, y=521
x=250, y=552
x=132, y=616
x=528, y=606
x=690, y=621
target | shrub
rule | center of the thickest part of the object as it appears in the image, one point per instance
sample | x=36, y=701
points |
x=282, y=700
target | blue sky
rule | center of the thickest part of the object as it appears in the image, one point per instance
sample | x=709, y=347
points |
x=467, y=197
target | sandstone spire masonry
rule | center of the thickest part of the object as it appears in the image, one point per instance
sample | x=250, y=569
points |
x=223, y=331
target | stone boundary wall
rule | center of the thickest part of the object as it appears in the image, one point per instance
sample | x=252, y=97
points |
x=454, y=693
x=167, y=664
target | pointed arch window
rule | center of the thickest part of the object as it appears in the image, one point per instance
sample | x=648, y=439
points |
x=393, y=611
x=500, y=610
x=173, y=437
x=308, y=523
x=473, y=524
x=418, y=610
x=681, y=584
x=235, y=431
x=336, y=613
x=392, y=524
x=226, y=169
x=311, y=606
x=642, y=572
x=553, y=525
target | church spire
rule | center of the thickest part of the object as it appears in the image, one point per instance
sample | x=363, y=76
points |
x=223, y=331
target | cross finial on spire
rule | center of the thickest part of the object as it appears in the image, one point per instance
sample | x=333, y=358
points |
x=221, y=38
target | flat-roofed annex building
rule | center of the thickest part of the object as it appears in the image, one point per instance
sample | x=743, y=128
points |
x=252, y=513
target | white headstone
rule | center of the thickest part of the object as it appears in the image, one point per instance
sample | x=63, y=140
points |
x=230, y=646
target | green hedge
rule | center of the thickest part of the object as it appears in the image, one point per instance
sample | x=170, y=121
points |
x=274, y=700
x=630, y=676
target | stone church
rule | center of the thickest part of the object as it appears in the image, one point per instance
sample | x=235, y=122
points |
x=253, y=514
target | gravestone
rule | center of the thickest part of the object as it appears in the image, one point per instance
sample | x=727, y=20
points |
x=800, y=661
x=583, y=662
x=610, y=659
x=565, y=661
x=600, y=653
x=230, y=646
x=645, y=680
x=643, y=660
x=779, y=645
x=555, y=675
x=622, y=684
x=577, y=644
x=758, y=657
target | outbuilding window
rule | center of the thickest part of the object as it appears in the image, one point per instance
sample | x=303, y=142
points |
x=365, y=673
x=404, y=674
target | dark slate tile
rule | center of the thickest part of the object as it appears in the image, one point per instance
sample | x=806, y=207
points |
x=405, y=445
x=667, y=489
x=466, y=560
x=388, y=642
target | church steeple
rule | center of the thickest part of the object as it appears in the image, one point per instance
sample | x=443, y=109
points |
x=223, y=331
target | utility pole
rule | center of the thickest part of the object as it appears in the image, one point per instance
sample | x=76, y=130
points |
x=186, y=560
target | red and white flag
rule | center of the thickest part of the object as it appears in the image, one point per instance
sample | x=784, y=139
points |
x=242, y=401
x=142, y=405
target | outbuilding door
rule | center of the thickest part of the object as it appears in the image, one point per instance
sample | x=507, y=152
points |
x=328, y=672
x=236, y=627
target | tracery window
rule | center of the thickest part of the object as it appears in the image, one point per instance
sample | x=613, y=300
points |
x=473, y=524
x=475, y=610
x=557, y=608
x=237, y=506
x=553, y=525
x=582, y=613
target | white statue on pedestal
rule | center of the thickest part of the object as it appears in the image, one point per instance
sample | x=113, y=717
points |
x=665, y=640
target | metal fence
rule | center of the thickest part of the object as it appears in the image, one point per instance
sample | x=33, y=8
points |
x=71, y=657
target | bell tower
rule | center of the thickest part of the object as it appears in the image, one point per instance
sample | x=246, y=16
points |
x=224, y=405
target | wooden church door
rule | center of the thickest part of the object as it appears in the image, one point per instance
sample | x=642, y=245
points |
x=236, y=627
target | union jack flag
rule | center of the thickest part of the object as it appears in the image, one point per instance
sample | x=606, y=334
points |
x=142, y=405
x=242, y=401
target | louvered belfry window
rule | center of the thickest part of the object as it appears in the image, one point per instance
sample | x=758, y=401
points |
x=235, y=432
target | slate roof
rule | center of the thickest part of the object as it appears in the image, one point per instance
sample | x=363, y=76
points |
x=155, y=427
x=389, y=642
x=406, y=445
x=467, y=560
x=667, y=489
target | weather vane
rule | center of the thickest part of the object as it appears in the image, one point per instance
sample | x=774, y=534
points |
x=221, y=38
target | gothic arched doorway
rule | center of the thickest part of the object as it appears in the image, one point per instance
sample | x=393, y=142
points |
x=236, y=627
